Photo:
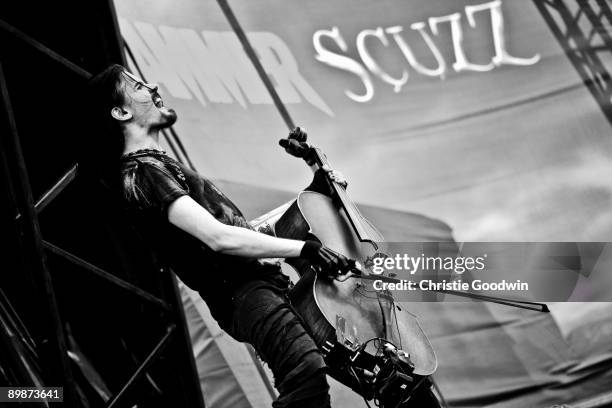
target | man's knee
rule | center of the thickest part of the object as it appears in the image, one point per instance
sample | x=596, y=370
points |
x=310, y=365
x=309, y=391
x=317, y=381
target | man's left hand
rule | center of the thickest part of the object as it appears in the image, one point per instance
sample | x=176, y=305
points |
x=335, y=175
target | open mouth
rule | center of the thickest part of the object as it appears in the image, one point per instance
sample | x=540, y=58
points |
x=157, y=101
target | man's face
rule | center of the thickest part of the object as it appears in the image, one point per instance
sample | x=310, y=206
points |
x=144, y=103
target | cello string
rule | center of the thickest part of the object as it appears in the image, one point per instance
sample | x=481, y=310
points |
x=384, y=318
x=397, y=327
x=348, y=205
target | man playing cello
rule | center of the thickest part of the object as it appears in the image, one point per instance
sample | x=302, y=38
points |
x=197, y=231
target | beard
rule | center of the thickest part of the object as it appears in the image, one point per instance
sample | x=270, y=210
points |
x=168, y=118
x=170, y=115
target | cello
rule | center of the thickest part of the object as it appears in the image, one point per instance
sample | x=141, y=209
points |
x=369, y=343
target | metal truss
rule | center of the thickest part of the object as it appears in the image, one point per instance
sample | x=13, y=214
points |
x=583, y=28
x=55, y=354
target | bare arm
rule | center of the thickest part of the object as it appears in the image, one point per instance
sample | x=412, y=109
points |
x=192, y=218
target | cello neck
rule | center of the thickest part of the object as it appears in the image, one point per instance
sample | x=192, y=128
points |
x=352, y=212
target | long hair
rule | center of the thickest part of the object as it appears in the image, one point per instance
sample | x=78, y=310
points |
x=104, y=93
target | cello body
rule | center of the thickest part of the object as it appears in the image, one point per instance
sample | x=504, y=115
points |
x=344, y=316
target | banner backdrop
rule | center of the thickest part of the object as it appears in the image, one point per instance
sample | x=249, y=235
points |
x=467, y=111
x=464, y=111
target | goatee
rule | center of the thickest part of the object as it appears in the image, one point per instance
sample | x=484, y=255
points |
x=170, y=116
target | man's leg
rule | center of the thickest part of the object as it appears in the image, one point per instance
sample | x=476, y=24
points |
x=264, y=318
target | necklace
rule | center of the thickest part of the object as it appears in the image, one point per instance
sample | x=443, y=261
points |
x=143, y=152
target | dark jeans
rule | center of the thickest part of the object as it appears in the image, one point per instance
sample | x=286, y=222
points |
x=264, y=318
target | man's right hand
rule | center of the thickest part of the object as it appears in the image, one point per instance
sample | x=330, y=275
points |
x=329, y=262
